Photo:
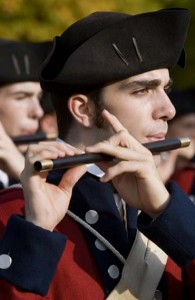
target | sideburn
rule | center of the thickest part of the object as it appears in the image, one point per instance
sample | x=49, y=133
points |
x=97, y=98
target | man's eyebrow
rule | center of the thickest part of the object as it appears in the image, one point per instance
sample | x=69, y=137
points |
x=27, y=93
x=144, y=83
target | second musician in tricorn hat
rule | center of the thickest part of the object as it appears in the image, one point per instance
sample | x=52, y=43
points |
x=20, y=96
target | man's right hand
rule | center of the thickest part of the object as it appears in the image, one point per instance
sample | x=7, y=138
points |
x=45, y=203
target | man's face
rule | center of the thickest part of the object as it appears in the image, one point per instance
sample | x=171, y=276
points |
x=20, y=108
x=141, y=104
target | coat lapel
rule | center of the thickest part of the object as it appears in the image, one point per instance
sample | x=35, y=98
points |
x=93, y=202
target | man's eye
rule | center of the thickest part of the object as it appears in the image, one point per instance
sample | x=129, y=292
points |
x=189, y=126
x=20, y=98
x=40, y=97
x=140, y=92
x=167, y=90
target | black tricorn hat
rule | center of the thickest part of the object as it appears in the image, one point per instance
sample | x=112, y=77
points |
x=20, y=61
x=46, y=103
x=183, y=101
x=109, y=46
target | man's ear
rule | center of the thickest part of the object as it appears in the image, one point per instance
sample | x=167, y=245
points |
x=82, y=109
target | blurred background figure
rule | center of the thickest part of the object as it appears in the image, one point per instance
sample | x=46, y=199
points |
x=20, y=96
x=180, y=164
x=48, y=122
x=183, y=123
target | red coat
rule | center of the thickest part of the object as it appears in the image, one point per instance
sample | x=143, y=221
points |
x=75, y=273
x=185, y=177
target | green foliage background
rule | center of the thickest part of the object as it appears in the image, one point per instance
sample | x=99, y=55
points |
x=39, y=20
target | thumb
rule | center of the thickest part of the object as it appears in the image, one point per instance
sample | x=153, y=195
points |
x=71, y=177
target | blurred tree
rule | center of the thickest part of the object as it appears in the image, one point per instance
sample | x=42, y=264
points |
x=42, y=20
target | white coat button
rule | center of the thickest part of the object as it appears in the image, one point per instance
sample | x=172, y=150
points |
x=100, y=246
x=113, y=271
x=192, y=198
x=91, y=216
x=5, y=261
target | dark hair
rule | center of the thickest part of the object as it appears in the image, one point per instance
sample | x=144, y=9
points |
x=63, y=114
